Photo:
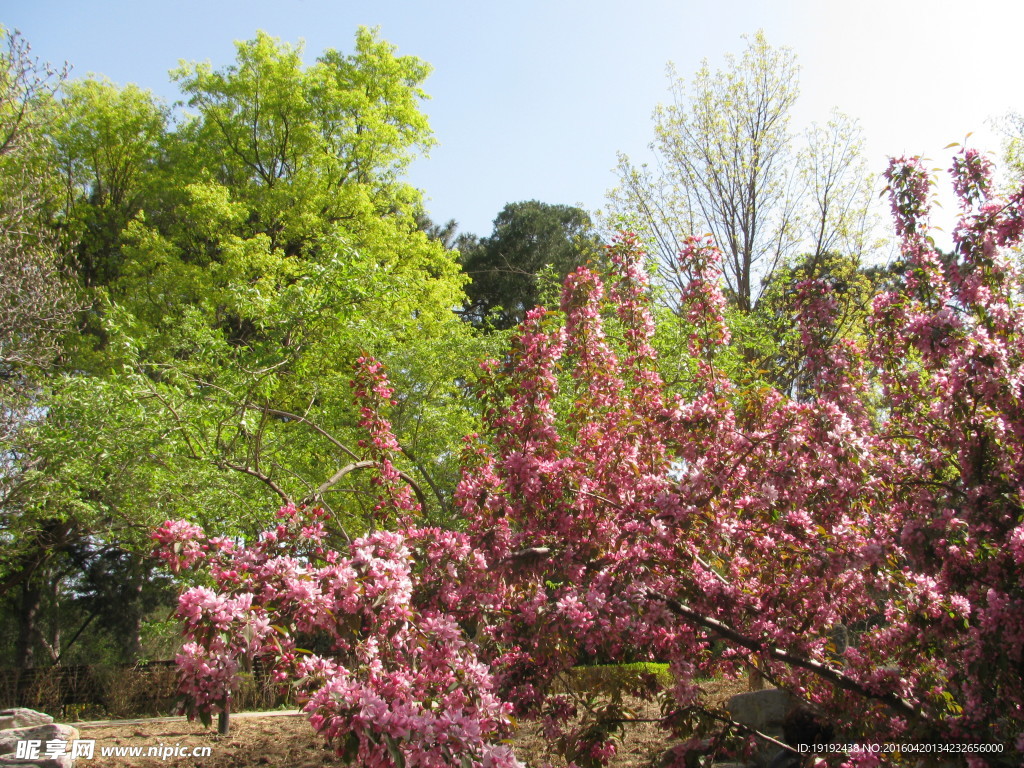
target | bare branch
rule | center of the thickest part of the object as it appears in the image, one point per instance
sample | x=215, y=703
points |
x=337, y=476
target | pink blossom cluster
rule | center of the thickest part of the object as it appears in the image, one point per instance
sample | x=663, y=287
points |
x=401, y=678
x=705, y=303
x=909, y=192
x=400, y=684
x=179, y=542
x=374, y=393
x=972, y=177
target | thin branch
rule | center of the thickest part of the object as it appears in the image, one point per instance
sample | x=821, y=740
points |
x=326, y=486
x=265, y=479
x=430, y=481
x=315, y=427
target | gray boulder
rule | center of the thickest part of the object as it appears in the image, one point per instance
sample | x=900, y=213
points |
x=762, y=710
x=42, y=733
x=22, y=718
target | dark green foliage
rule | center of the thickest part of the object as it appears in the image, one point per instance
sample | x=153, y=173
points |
x=505, y=269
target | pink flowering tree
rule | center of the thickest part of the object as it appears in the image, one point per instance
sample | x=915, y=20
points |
x=949, y=349
x=398, y=682
x=623, y=521
x=606, y=519
x=744, y=527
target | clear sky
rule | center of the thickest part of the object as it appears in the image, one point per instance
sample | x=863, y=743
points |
x=532, y=99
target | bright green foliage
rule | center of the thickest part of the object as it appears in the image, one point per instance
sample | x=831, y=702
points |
x=108, y=140
x=272, y=241
x=307, y=149
x=108, y=143
x=728, y=165
x=36, y=306
x=235, y=263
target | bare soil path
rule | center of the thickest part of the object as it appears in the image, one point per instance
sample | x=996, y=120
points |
x=285, y=739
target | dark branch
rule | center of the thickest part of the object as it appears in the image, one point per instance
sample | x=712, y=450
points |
x=834, y=676
x=265, y=479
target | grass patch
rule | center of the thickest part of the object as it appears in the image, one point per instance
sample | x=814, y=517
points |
x=624, y=677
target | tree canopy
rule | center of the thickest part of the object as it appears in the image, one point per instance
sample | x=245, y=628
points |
x=531, y=242
x=234, y=261
x=728, y=164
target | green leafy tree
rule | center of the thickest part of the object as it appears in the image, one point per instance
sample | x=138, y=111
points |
x=275, y=242
x=506, y=269
x=99, y=473
x=236, y=263
x=108, y=142
x=784, y=208
x=727, y=164
x=308, y=148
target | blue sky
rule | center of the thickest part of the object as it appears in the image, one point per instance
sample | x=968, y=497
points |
x=532, y=99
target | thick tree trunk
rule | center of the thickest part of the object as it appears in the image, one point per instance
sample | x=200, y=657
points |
x=28, y=625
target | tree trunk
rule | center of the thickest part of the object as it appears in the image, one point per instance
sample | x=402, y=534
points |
x=28, y=629
x=53, y=642
x=131, y=638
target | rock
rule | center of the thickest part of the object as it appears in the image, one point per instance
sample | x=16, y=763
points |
x=764, y=711
x=22, y=718
x=28, y=725
x=761, y=710
x=42, y=733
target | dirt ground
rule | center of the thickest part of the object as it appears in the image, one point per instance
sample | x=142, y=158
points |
x=286, y=740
